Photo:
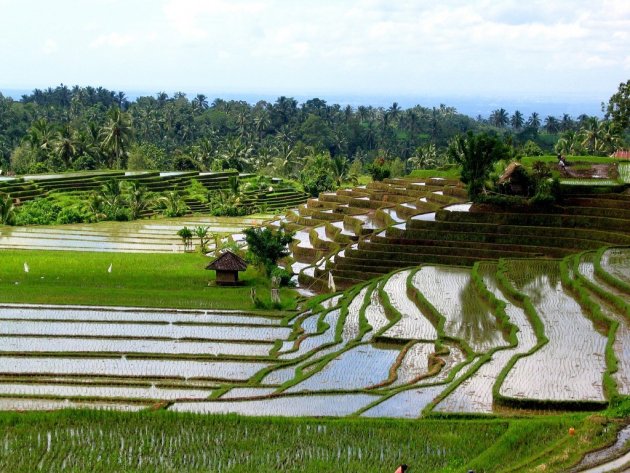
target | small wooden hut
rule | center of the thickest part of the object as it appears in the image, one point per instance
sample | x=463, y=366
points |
x=227, y=267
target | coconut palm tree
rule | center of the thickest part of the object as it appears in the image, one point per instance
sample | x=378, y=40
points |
x=517, y=121
x=341, y=170
x=116, y=136
x=534, y=121
x=552, y=125
x=65, y=146
x=173, y=204
x=138, y=199
x=499, y=118
x=7, y=209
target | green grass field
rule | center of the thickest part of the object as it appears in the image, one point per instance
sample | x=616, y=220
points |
x=137, y=279
x=161, y=441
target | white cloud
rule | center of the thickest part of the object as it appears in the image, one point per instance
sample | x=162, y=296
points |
x=50, y=46
x=116, y=40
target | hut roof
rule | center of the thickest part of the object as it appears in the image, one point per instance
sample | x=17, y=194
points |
x=228, y=261
x=509, y=171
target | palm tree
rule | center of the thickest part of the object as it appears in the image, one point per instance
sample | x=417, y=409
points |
x=341, y=170
x=423, y=157
x=7, y=209
x=499, y=118
x=110, y=199
x=186, y=235
x=394, y=112
x=569, y=143
x=200, y=102
x=592, y=135
x=41, y=136
x=517, y=121
x=552, y=125
x=534, y=121
x=173, y=204
x=116, y=136
x=567, y=123
x=65, y=146
x=138, y=198
x=202, y=233
x=261, y=123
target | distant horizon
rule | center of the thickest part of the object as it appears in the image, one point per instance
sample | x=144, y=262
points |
x=472, y=106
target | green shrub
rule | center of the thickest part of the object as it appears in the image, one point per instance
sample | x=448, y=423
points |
x=282, y=275
x=38, y=212
x=72, y=215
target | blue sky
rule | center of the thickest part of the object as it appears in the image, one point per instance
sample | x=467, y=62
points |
x=539, y=50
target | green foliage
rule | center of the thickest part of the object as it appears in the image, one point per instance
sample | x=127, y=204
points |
x=38, y=212
x=532, y=149
x=146, y=156
x=172, y=204
x=476, y=154
x=186, y=235
x=281, y=275
x=201, y=232
x=618, y=109
x=380, y=169
x=7, y=209
x=318, y=174
x=267, y=246
x=23, y=159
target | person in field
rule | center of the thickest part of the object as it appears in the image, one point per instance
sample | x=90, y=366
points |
x=401, y=468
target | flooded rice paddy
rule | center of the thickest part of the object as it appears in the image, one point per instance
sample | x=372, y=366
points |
x=570, y=366
x=140, y=236
x=414, y=340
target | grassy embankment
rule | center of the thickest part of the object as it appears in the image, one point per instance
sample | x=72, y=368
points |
x=144, y=280
x=162, y=441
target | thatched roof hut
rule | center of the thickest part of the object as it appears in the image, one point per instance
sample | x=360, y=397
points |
x=227, y=267
x=514, y=179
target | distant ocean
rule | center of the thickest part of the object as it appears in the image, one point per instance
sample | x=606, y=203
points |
x=471, y=106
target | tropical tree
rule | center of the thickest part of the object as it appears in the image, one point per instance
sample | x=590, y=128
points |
x=618, y=109
x=477, y=154
x=65, y=146
x=202, y=233
x=423, y=157
x=116, y=136
x=186, y=235
x=552, y=125
x=138, y=199
x=517, y=120
x=592, y=136
x=173, y=204
x=267, y=246
x=534, y=121
x=341, y=171
x=200, y=102
x=569, y=143
x=499, y=118
x=7, y=209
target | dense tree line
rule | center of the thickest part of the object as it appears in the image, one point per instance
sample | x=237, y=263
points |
x=81, y=128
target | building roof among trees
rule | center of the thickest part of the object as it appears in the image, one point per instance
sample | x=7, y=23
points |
x=509, y=172
x=228, y=261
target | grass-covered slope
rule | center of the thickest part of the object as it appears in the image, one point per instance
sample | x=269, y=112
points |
x=145, y=280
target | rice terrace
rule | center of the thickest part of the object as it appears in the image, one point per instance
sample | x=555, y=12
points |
x=474, y=322
x=267, y=302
